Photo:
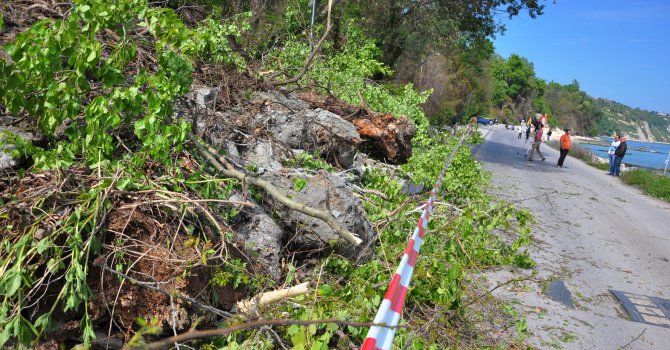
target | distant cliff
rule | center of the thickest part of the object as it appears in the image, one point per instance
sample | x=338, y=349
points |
x=636, y=123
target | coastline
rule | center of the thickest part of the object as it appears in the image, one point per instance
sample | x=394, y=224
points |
x=598, y=140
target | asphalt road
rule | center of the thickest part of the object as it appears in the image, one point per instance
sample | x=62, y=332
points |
x=595, y=234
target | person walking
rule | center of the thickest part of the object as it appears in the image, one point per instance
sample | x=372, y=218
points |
x=565, y=147
x=548, y=134
x=610, y=152
x=536, y=143
x=527, y=132
x=520, y=130
x=619, y=153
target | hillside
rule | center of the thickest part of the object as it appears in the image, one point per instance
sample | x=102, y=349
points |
x=638, y=124
x=570, y=107
x=182, y=168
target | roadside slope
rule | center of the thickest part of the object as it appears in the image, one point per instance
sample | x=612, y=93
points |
x=594, y=233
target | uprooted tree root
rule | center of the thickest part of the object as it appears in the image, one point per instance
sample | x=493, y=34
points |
x=68, y=238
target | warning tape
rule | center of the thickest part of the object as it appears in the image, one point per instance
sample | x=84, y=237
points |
x=380, y=337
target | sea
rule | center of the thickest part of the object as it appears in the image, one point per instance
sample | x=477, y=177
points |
x=649, y=155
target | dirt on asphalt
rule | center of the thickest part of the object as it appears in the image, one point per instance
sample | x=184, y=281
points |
x=595, y=234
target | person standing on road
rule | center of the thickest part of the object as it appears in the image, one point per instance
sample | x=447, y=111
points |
x=610, y=152
x=527, y=132
x=520, y=130
x=536, y=143
x=548, y=134
x=620, y=152
x=565, y=147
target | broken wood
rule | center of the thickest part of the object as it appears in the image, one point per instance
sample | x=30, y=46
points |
x=248, y=306
x=225, y=168
x=390, y=136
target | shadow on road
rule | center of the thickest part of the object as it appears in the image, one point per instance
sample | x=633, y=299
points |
x=512, y=155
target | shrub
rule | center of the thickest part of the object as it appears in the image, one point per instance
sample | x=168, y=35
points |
x=655, y=185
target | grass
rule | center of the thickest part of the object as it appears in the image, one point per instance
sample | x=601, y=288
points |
x=655, y=185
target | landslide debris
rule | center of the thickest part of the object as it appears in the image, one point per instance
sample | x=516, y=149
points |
x=151, y=249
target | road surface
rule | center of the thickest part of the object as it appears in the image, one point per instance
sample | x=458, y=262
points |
x=595, y=234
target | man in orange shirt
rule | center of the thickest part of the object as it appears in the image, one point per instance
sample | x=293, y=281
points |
x=565, y=147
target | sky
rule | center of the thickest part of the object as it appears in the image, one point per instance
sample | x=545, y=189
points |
x=615, y=49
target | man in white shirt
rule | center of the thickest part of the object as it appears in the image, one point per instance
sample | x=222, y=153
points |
x=610, y=151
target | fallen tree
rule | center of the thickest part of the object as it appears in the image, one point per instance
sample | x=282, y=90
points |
x=390, y=137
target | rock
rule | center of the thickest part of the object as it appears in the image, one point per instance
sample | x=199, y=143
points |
x=6, y=160
x=596, y=159
x=277, y=101
x=335, y=138
x=411, y=189
x=287, y=128
x=262, y=236
x=232, y=151
x=323, y=191
x=216, y=129
x=263, y=156
x=205, y=97
x=293, y=123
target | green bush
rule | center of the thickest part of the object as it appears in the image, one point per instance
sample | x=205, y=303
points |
x=80, y=87
x=655, y=185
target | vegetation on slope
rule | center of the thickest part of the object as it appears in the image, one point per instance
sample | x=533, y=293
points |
x=638, y=124
x=115, y=178
x=652, y=183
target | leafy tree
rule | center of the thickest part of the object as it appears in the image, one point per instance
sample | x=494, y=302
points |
x=85, y=78
x=572, y=108
x=417, y=28
x=516, y=89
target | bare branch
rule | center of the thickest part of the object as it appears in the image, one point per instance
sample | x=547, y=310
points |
x=200, y=334
x=304, y=69
x=228, y=170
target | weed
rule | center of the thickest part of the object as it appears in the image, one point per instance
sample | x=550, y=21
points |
x=655, y=185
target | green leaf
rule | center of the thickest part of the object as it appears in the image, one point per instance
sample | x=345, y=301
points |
x=122, y=184
x=325, y=290
x=54, y=265
x=299, y=184
x=91, y=56
x=6, y=334
x=43, y=321
x=14, y=284
x=43, y=245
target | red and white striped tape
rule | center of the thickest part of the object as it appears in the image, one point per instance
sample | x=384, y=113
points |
x=380, y=337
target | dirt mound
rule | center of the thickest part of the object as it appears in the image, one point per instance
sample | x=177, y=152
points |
x=132, y=254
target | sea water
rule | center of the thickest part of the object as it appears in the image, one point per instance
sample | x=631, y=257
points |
x=651, y=155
